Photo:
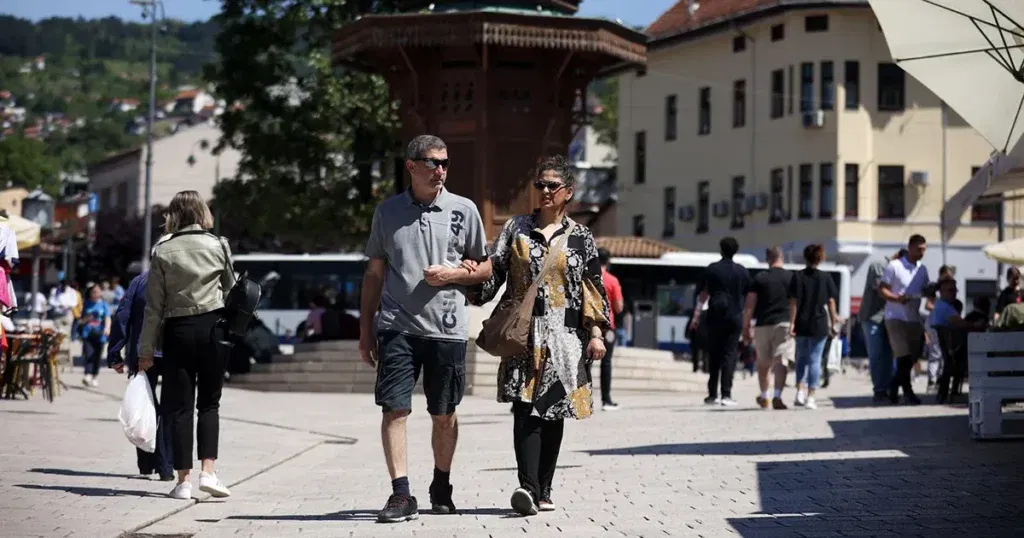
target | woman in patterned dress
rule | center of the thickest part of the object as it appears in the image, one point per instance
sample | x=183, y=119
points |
x=570, y=317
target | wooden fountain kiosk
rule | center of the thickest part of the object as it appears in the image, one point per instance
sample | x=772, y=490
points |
x=500, y=81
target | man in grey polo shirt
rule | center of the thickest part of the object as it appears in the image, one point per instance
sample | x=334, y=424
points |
x=415, y=286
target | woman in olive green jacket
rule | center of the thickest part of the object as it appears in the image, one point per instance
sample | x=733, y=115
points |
x=190, y=274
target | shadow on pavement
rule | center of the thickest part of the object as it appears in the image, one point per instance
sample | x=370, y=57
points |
x=850, y=402
x=371, y=515
x=73, y=472
x=944, y=483
x=93, y=492
x=514, y=469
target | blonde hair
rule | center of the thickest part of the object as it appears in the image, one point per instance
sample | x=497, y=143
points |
x=187, y=208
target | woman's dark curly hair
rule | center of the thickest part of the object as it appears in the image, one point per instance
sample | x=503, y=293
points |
x=559, y=165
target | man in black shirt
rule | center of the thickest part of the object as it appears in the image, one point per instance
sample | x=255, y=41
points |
x=768, y=304
x=724, y=286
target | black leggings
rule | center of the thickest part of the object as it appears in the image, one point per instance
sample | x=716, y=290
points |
x=537, y=442
x=92, y=352
x=193, y=363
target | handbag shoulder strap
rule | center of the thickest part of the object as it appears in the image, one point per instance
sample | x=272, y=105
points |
x=549, y=262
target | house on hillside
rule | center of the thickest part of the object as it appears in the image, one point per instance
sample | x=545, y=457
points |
x=124, y=105
x=190, y=102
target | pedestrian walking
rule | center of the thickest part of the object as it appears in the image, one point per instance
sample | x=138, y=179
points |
x=413, y=316
x=94, y=329
x=872, y=323
x=547, y=383
x=812, y=315
x=190, y=275
x=902, y=287
x=724, y=287
x=768, y=304
x=123, y=354
x=615, y=301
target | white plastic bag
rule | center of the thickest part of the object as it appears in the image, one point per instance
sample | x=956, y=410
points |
x=138, y=414
x=835, y=356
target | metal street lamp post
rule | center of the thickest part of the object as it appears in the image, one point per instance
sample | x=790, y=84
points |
x=149, y=9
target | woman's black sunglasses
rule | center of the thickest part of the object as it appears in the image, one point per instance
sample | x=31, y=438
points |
x=552, y=186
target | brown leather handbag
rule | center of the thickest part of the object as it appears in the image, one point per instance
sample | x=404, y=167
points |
x=507, y=332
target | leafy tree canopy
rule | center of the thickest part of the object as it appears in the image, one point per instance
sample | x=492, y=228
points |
x=305, y=129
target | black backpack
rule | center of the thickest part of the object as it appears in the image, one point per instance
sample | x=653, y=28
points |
x=240, y=302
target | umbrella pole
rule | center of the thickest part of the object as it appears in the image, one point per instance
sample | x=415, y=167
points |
x=36, y=251
x=942, y=219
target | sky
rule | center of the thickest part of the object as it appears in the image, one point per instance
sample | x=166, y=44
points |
x=632, y=12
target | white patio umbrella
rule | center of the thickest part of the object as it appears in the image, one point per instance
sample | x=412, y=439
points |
x=1009, y=252
x=968, y=52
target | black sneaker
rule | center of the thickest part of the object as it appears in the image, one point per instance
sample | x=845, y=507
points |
x=545, y=504
x=398, y=509
x=522, y=502
x=441, y=499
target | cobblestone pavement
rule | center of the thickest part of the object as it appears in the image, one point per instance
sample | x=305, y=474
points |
x=664, y=465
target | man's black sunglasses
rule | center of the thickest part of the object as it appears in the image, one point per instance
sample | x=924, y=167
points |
x=434, y=163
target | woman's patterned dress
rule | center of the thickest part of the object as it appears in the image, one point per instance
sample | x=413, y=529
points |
x=554, y=376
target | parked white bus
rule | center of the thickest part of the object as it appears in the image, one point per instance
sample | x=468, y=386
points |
x=665, y=286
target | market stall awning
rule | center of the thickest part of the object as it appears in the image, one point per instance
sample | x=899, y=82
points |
x=27, y=232
x=1010, y=252
x=1000, y=174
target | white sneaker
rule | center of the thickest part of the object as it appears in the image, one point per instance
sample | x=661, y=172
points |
x=94, y=382
x=182, y=491
x=801, y=399
x=727, y=402
x=87, y=380
x=209, y=483
x=810, y=404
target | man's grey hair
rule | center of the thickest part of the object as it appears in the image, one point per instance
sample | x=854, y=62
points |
x=773, y=255
x=420, y=145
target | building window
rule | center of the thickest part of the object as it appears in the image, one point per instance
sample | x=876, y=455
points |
x=891, y=88
x=640, y=156
x=816, y=23
x=703, y=206
x=985, y=210
x=776, y=213
x=806, y=191
x=739, y=103
x=851, y=183
x=739, y=196
x=638, y=226
x=828, y=86
x=852, y=78
x=789, y=94
x=826, y=191
x=671, y=117
x=704, y=119
x=739, y=43
x=890, y=192
x=778, y=107
x=778, y=32
x=806, y=87
x=789, y=193
x=669, y=229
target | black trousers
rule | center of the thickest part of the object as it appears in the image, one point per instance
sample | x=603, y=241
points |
x=723, y=346
x=159, y=461
x=903, y=378
x=193, y=378
x=92, y=351
x=606, y=372
x=537, y=442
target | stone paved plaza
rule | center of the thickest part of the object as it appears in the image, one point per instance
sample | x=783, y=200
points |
x=664, y=465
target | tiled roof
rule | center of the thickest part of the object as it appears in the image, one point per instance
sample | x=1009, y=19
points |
x=677, y=20
x=635, y=247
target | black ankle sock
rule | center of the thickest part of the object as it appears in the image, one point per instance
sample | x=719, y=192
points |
x=441, y=477
x=400, y=486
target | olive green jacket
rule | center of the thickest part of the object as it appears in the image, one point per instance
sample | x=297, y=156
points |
x=188, y=275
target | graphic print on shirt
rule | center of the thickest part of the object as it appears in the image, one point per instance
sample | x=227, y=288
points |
x=453, y=257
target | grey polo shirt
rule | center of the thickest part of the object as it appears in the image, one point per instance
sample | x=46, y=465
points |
x=409, y=237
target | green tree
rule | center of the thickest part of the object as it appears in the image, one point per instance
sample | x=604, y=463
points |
x=606, y=122
x=305, y=129
x=24, y=162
